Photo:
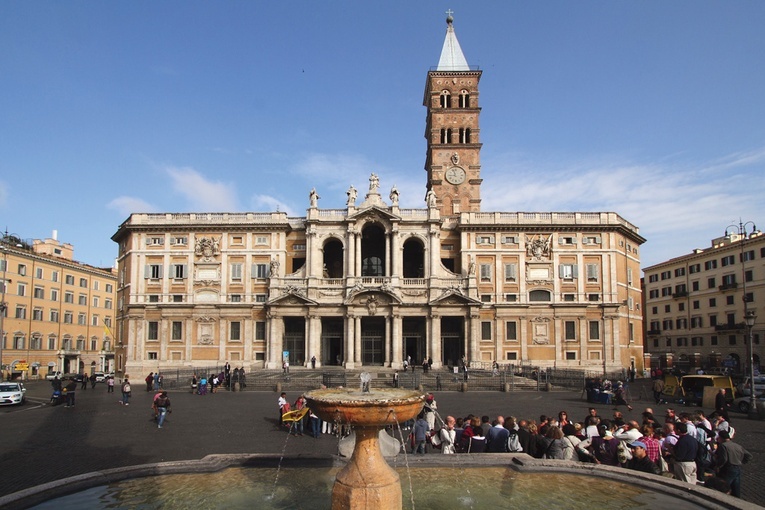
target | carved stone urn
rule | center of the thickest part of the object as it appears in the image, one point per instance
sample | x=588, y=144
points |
x=367, y=481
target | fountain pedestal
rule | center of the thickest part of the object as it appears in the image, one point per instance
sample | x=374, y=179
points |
x=367, y=481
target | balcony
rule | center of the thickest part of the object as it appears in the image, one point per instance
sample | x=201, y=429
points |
x=680, y=294
x=731, y=327
x=654, y=332
x=728, y=286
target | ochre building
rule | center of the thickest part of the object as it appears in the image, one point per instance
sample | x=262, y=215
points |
x=57, y=313
x=373, y=284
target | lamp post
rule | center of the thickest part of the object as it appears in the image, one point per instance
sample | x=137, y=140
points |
x=750, y=319
x=749, y=315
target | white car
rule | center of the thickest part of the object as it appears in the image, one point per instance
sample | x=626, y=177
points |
x=53, y=375
x=12, y=393
x=759, y=386
x=742, y=403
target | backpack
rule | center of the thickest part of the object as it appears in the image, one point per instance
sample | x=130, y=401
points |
x=126, y=387
x=513, y=445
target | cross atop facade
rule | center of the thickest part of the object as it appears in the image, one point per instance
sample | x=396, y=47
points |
x=449, y=13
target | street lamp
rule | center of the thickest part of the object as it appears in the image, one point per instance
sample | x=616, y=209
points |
x=749, y=315
x=750, y=319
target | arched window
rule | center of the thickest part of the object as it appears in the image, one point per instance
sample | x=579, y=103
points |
x=464, y=99
x=539, y=295
x=373, y=251
x=445, y=99
x=443, y=135
x=464, y=135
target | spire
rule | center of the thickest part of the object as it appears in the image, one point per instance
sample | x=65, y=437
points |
x=452, y=58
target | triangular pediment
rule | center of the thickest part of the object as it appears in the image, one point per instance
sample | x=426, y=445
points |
x=292, y=296
x=374, y=212
x=454, y=297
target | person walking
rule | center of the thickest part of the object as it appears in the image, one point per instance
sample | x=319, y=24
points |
x=110, y=384
x=125, y=392
x=420, y=433
x=658, y=389
x=163, y=407
x=729, y=458
x=70, y=390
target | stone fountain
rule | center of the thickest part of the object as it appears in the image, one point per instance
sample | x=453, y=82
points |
x=366, y=481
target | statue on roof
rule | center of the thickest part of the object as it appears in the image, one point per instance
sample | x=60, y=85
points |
x=374, y=183
x=313, y=197
x=351, y=196
x=394, y=196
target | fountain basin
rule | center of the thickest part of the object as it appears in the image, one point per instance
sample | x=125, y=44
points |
x=583, y=486
x=378, y=407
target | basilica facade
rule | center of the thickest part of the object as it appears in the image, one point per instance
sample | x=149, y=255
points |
x=373, y=284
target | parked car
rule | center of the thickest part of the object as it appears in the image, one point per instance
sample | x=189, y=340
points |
x=74, y=377
x=100, y=376
x=718, y=371
x=53, y=375
x=759, y=386
x=742, y=403
x=12, y=393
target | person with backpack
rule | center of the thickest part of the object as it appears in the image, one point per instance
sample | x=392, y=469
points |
x=125, y=392
x=163, y=407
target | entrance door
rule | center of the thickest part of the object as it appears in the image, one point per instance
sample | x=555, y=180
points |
x=373, y=341
x=294, y=339
x=332, y=341
x=414, y=339
x=452, y=340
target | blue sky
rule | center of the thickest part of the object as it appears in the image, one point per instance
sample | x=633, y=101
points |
x=652, y=109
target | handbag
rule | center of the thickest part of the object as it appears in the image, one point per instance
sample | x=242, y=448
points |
x=623, y=453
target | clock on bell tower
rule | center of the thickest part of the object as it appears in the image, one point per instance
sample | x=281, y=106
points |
x=453, y=160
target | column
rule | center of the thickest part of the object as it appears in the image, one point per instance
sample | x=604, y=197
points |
x=435, y=340
x=473, y=336
x=189, y=335
x=396, y=268
x=396, y=342
x=350, y=343
x=388, y=346
x=388, y=265
x=314, y=340
x=274, y=342
x=350, y=253
x=357, y=340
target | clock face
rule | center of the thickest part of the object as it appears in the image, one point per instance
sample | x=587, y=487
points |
x=455, y=175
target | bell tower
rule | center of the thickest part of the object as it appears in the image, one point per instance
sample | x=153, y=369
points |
x=452, y=132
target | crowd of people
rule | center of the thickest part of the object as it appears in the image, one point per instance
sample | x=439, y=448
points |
x=688, y=446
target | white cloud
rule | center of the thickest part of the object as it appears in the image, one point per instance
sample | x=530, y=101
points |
x=125, y=206
x=201, y=193
x=678, y=205
x=266, y=203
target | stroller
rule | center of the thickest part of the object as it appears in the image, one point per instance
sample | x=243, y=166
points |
x=57, y=398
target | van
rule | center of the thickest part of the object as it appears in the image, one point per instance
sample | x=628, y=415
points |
x=692, y=387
